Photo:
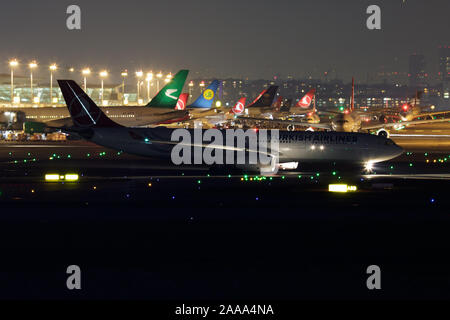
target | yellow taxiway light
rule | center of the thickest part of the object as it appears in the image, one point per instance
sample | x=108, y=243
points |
x=70, y=177
x=341, y=188
x=52, y=177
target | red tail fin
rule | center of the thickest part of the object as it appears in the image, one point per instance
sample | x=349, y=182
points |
x=182, y=101
x=305, y=102
x=240, y=106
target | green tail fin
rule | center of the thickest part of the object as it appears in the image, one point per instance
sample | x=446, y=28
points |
x=168, y=96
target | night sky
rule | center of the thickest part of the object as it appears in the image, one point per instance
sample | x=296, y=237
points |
x=229, y=38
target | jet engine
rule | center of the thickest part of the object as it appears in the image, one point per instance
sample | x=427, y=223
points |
x=383, y=133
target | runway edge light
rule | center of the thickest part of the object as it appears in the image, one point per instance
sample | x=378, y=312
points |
x=341, y=188
x=52, y=177
x=71, y=177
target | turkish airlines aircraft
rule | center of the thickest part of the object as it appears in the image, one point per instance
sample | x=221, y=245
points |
x=93, y=125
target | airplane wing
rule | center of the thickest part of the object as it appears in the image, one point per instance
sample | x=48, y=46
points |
x=430, y=114
x=290, y=122
x=399, y=124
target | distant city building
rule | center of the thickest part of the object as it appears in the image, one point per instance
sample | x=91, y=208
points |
x=417, y=74
x=444, y=70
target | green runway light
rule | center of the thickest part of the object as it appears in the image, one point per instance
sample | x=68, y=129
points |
x=69, y=156
x=24, y=160
x=229, y=176
x=312, y=177
x=270, y=178
x=334, y=173
x=282, y=177
x=317, y=174
x=88, y=155
x=199, y=181
x=426, y=154
x=299, y=176
x=29, y=154
x=392, y=167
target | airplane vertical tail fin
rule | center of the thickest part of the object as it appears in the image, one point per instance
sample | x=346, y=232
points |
x=205, y=100
x=265, y=98
x=83, y=111
x=305, y=102
x=277, y=104
x=240, y=106
x=182, y=101
x=168, y=96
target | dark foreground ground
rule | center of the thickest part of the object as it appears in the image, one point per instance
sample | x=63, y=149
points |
x=139, y=229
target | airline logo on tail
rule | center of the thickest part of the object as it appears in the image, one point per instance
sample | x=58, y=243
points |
x=181, y=103
x=239, y=107
x=168, y=96
x=169, y=93
x=205, y=100
x=208, y=94
x=305, y=102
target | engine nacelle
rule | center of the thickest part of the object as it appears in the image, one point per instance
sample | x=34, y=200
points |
x=383, y=133
x=264, y=169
